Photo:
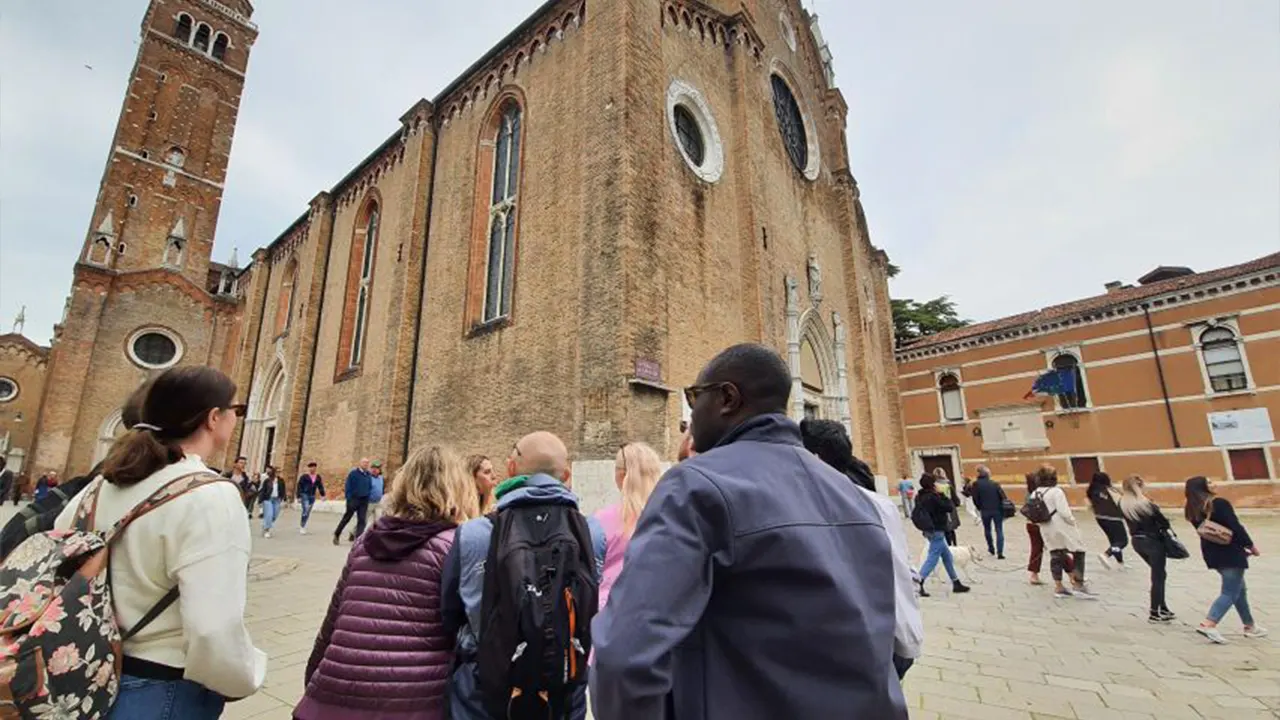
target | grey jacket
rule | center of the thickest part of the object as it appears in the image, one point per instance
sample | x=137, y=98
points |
x=759, y=583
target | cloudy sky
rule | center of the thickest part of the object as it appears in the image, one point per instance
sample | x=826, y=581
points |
x=1010, y=154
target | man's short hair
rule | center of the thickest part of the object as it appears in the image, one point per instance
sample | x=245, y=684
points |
x=758, y=372
x=311, y=464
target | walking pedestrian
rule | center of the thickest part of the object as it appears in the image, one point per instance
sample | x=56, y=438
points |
x=1103, y=498
x=1036, y=556
x=358, y=487
x=195, y=651
x=1062, y=538
x=830, y=441
x=750, y=552
x=7, y=479
x=481, y=470
x=948, y=489
x=933, y=511
x=907, y=494
x=988, y=498
x=310, y=484
x=271, y=496
x=383, y=633
x=487, y=590
x=636, y=471
x=377, y=487
x=1226, y=546
x=1149, y=528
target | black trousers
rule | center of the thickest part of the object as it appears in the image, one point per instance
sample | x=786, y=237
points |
x=1151, y=550
x=358, y=508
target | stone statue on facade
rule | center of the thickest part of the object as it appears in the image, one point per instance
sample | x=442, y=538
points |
x=793, y=292
x=815, y=279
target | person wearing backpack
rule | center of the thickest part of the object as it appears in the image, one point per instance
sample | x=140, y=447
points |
x=522, y=646
x=1048, y=507
x=383, y=631
x=933, y=512
x=185, y=562
x=759, y=583
x=1225, y=545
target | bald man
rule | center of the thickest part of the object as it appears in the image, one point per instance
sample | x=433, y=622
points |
x=538, y=476
x=359, y=487
x=759, y=583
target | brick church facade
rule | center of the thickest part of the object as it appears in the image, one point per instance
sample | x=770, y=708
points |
x=558, y=240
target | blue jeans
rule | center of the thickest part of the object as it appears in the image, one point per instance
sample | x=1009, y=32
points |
x=998, y=521
x=1234, y=593
x=270, y=511
x=938, y=549
x=307, y=502
x=143, y=699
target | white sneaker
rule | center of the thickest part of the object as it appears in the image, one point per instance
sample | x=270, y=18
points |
x=1257, y=631
x=266, y=534
x=302, y=531
x=1212, y=634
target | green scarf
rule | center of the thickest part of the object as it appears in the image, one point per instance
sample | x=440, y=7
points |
x=509, y=484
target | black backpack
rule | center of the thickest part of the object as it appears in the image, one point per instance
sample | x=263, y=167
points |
x=540, y=594
x=39, y=515
x=1036, y=510
x=921, y=518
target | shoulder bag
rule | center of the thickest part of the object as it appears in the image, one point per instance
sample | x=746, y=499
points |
x=1214, y=532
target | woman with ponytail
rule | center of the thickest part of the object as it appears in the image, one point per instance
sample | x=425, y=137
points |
x=195, y=652
x=636, y=472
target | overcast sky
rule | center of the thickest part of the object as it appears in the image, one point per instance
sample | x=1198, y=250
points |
x=1011, y=154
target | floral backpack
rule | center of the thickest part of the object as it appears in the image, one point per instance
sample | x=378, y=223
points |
x=60, y=643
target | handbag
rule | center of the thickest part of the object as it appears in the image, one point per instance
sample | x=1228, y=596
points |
x=1212, y=531
x=1007, y=508
x=1173, y=547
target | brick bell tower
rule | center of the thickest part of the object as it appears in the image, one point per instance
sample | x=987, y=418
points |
x=145, y=294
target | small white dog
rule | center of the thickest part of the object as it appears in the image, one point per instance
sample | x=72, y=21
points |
x=961, y=556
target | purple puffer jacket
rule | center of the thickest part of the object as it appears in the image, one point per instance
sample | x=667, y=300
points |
x=382, y=651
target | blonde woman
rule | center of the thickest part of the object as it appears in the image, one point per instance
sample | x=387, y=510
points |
x=1148, y=527
x=384, y=632
x=636, y=471
x=481, y=470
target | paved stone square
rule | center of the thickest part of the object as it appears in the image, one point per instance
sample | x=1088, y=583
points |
x=1005, y=650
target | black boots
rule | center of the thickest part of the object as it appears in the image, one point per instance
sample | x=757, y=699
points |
x=959, y=587
x=922, y=590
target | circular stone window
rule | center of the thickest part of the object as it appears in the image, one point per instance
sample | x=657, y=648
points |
x=8, y=389
x=155, y=349
x=796, y=136
x=694, y=131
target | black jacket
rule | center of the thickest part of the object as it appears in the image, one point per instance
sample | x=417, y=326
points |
x=937, y=506
x=1152, y=524
x=1220, y=557
x=1103, y=504
x=265, y=490
x=987, y=496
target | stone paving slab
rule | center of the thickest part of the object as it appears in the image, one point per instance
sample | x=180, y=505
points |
x=1005, y=650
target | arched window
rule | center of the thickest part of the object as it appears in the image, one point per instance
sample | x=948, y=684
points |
x=173, y=253
x=201, y=39
x=220, y=47
x=1077, y=397
x=790, y=123
x=952, y=399
x=100, y=251
x=176, y=157
x=182, y=30
x=355, y=315
x=284, y=304
x=1223, y=361
x=501, y=260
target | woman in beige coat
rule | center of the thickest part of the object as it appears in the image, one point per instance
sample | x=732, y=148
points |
x=1061, y=537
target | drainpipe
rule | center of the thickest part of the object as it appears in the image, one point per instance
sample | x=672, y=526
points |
x=422, y=290
x=1164, y=388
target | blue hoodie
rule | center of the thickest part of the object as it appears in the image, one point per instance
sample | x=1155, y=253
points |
x=462, y=586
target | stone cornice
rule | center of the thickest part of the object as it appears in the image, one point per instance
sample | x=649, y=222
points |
x=708, y=24
x=111, y=281
x=22, y=343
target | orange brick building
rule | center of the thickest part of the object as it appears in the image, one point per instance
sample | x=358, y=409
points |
x=558, y=240
x=1176, y=376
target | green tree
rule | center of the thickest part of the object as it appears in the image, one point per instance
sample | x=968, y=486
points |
x=913, y=320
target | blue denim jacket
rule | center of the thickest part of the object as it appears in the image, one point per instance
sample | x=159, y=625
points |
x=463, y=586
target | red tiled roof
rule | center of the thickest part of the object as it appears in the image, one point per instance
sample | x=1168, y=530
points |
x=1122, y=296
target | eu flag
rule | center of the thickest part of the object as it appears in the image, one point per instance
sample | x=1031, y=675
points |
x=1054, y=382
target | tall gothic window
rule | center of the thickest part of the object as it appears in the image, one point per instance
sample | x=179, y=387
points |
x=501, y=261
x=182, y=30
x=1223, y=361
x=952, y=402
x=284, y=303
x=201, y=40
x=358, y=304
x=220, y=47
x=790, y=123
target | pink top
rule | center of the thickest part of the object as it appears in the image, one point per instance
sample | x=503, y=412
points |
x=610, y=519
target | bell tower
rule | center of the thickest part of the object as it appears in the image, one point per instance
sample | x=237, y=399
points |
x=144, y=296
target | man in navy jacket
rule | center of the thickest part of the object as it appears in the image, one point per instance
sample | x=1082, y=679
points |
x=759, y=583
x=358, y=487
